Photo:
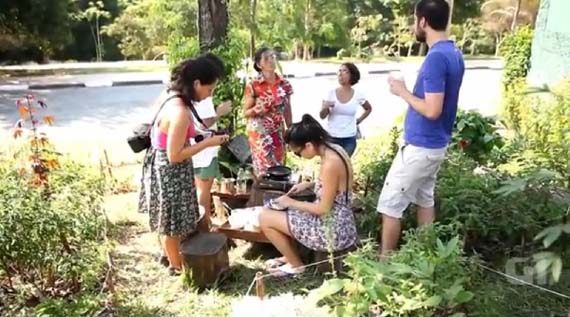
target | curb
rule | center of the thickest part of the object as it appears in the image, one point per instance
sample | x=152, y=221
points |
x=55, y=86
x=136, y=83
x=126, y=83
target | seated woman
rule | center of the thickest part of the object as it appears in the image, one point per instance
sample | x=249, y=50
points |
x=324, y=225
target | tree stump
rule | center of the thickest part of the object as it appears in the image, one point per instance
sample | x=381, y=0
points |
x=205, y=256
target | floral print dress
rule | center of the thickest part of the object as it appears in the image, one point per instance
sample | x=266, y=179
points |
x=334, y=231
x=266, y=132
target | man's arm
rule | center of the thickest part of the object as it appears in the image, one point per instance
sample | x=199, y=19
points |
x=431, y=106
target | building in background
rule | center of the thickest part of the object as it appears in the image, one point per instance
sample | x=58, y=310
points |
x=550, y=60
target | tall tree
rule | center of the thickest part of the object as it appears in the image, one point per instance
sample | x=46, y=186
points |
x=213, y=21
x=34, y=29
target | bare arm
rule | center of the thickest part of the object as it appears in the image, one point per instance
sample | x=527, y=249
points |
x=367, y=110
x=177, y=130
x=288, y=113
x=325, y=109
x=430, y=107
x=248, y=108
x=330, y=179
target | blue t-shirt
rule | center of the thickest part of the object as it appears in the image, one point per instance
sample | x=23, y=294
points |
x=441, y=72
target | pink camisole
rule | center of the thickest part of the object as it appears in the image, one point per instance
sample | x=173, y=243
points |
x=159, y=138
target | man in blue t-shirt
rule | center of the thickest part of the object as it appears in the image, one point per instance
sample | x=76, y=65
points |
x=429, y=122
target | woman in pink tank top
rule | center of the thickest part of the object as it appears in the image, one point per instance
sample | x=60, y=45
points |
x=168, y=193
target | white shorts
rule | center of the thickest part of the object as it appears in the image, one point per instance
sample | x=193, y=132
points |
x=411, y=179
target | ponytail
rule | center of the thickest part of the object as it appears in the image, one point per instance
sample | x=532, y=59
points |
x=307, y=130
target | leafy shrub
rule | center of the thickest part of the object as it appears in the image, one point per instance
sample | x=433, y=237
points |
x=428, y=276
x=51, y=241
x=516, y=50
x=498, y=212
x=476, y=135
x=513, y=104
x=546, y=129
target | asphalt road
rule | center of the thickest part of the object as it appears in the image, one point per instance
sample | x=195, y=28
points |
x=91, y=119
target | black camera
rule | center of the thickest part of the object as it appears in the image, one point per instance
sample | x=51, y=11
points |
x=208, y=133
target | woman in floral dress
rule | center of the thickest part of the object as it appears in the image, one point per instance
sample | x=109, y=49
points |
x=324, y=225
x=168, y=193
x=268, y=112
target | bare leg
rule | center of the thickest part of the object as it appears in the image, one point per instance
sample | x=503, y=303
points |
x=274, y=226
x=172, y=248
x=390, y=234
x=425, y=215
x=203, y=188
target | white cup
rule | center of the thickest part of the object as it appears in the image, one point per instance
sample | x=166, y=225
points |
x=397, y=75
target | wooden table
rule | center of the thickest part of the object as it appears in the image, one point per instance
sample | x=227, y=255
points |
x=235, y=201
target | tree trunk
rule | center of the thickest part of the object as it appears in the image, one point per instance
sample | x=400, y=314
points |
x=253, y=28
x=213, y=22
x=516, y=16
x=307, y=25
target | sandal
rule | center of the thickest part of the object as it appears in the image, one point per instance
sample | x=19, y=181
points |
x=273, y=263
x=286, y=270
x=172, y=271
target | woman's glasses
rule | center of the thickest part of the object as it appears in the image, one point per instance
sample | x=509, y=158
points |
x=298, y=151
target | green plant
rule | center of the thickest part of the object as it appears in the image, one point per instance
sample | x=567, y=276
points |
x=476, y=135
x=498, y=212
x=550, y=260
x=545, y=127
x=42, y=160
x=426, y=277
x=516, y=50
x=51, y=243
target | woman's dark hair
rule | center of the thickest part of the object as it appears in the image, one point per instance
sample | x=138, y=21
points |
x=436, y=13
x=216, y=61
x=186, y=72
x=307, y=130
x=354, y=73
x=257, y=57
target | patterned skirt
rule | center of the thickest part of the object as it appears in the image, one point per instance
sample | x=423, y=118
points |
x=168, y=195
x=334, y=231
x=267, y=150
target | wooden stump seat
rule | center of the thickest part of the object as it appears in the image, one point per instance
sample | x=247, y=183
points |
x=205, y=255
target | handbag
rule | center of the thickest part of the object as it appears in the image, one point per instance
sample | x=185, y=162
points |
x=139, y=140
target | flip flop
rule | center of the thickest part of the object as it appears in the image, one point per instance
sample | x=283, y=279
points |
x=286, y=270
x=273, y=263
x=174, y=271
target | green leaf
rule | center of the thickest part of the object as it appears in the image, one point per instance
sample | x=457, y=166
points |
x=464, y=297
x=553, y=233
x=488, y=138
x=542, y=266
x=556, y=268
x=328, y=288
x=458, y=315
x=510, y=187
x=433, y=301
x=566, y=228
x=543, y=255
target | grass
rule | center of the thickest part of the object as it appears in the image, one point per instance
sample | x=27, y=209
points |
x=145, y=289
